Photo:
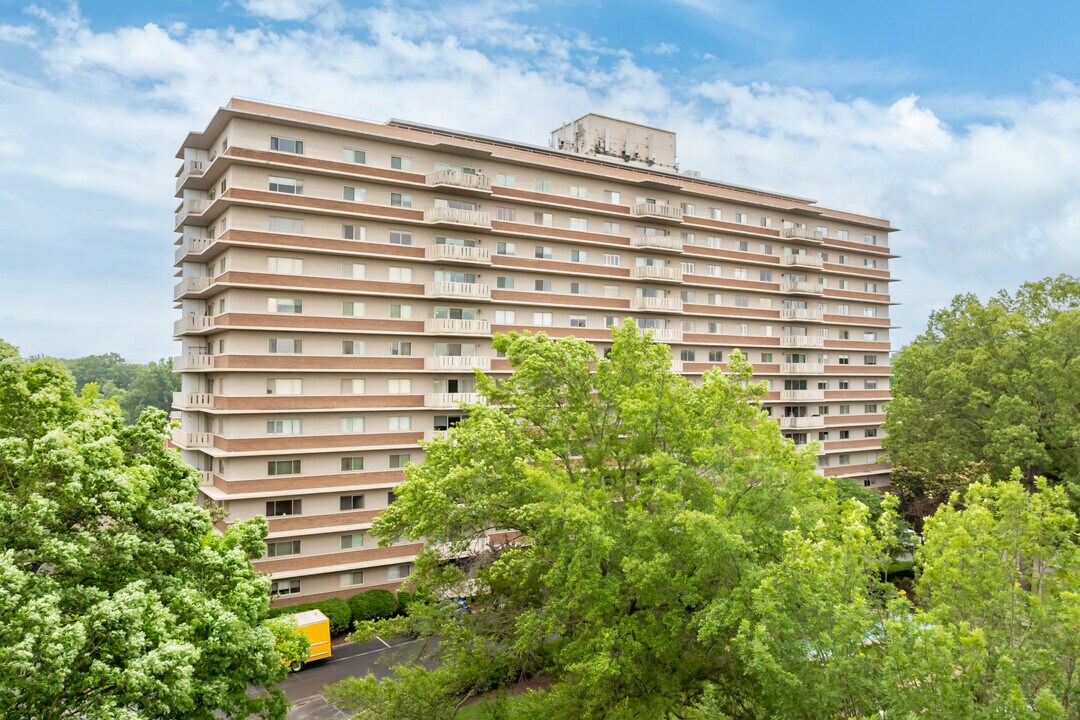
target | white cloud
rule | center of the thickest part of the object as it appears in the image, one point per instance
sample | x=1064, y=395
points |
x=16, y=33
x=95, y=118
x=663, y=48
x=286, y=9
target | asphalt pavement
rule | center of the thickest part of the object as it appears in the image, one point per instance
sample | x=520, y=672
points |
x=304, y=689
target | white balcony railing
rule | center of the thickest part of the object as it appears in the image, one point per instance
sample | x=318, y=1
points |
x=655, y=304
x=457, y=216
x=656, y=272
x=450, y=401
x=664, y=335
x=657, y=242
x=191, y=246
x=656, y=210
x=801, y=260
x=458, y=253
x=802, y=395
x=801, y=423
x=457, y=362
x=192, y=439
x=467, y=291
x=802, y=341
x=192, y=400
x=190, y=206
x=190, y=285
x=801, y=368
x=676, y=365
x=188, y=363
x=804, y=288
x=190, y=169
x=207, y=478
x=806, y=314
x=451, y=326
x=795, y=233
x=193, y=324
x=458, y=179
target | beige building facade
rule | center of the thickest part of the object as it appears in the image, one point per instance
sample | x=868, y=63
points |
x=340, y=280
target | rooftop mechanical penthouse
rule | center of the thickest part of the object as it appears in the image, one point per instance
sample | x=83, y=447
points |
x=340, y=280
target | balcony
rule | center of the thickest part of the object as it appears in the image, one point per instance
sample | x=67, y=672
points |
x=190, y=206
x=190, y=286
x=192, y=401
x=676, y=365
x=457, y=217
x=189, y=363
x=451, y=326
x=188, y=440
x=664, y=335
x=191, y=246
x=193, y=324
x=190, y=169
x=801, y=423
x=655, y=304
x=457, y=363
x=801, y=288
x=457, y=290
x=460, y=181
x=802, y=341
x=801, y=260
x=450, y=401
x=458, y=253
x=661, y=273
x=657, y=242
x=808, y=395
x=207, y=478
x=803, y=314
x=796, y=233
x=656, y=211
x=801, y=368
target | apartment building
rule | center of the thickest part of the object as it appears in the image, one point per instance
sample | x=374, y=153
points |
x=340, y=280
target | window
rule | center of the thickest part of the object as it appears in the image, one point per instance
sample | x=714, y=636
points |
x=577, y=223
x=842, y=259
x=843, y=309
x=352, y=386
x=845, y=409
x=352, y=463
x=579, y=288
x=545, y=186
x=542, y=318
x=284, y=467
x=287, y=145
x=869, y=262
x=869, y=359
x=742, y=245
x=742, y=329
x=870, y=384
x=401, y=312
x=612, y=260
x=284, y=386
x=741, y=217
x=351, y=502
x=579, y=256
x=687, y=267
x=283, y=548
x=352, y=232
x=285, y=305
x=277, y=508
x=505, y=248
x=353, y=309
x=398, y=572
x=352, y=347
x=870, y=432
x=716, y=356
x=402, y=200
x=398, y=162
x=869, y=239
x=506, y=214
x=612, y=196
x=740, y=274
x=354, y=271
x=353, y=540
x=579, y=191
x=285, y=587
x=283, y=427
x=611, y=228
x=505, y=317
x=844, y=360
x=505, y=179
x=400, y=237
x=765, y=275
x=869, y=312
x=610, y=321
x=400, y=274
x=543, y=218
x=578, y=321
x=688, y=209
x=687, y=296
x=284, y=346
x=716, y=299
x=766, y=222
x=845, y=459
x=844, y=384
x=687, y=355
x=505, y=283
x=742, y=301
x=841, y=234
x=352, y=425
x=351, y=578
x=400, y=348
x=399, y=460
x=398, y=386
x=285, y=224
x=542, y=252
x=399, y=423
x=542, y=285
x=611, y=291
x=291, y=186
x=869, y=336
x=351, y=155
x=715, y=214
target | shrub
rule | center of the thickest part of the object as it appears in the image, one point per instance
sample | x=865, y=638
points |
x=373, y=605
x=335, y=609
x=406, y=598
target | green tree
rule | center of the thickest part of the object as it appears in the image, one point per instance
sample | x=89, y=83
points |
x=110, y=371
x=152, y=386
x=989, y=387
x=656, y=517
x=117, y=597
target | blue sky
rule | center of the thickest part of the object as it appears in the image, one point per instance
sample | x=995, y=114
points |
x=959, y=121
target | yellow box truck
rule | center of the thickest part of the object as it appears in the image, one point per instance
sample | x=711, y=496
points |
x=316, y=627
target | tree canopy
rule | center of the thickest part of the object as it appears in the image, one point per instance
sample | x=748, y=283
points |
x=117, y=597
x=671, y=555
x=989, y=387
x=133, y=386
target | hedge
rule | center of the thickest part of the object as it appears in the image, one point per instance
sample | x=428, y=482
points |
x=373, y=605
x=335, y=609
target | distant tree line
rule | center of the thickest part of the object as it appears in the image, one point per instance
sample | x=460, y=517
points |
x=134, y=387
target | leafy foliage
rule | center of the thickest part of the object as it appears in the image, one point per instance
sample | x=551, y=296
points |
x=134, y=387
x=336, y=611
x=117, y=597
x=372, y=605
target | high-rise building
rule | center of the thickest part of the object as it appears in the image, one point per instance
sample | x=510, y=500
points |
x=340, y=280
